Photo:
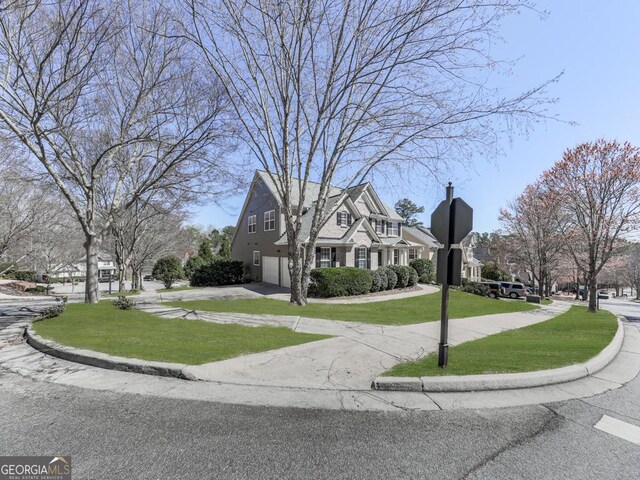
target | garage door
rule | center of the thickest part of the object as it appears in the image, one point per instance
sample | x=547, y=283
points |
x=270, y=269
x=284, y=268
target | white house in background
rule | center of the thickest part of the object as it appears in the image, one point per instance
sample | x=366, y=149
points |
x=106, y=267
x=471, y=266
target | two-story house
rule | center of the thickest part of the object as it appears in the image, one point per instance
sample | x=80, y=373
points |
x=363, y=232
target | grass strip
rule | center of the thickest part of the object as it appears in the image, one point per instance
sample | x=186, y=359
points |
x=572, y=337
x=406, y=311
x=131, y=333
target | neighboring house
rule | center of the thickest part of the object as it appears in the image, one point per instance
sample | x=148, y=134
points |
x=471, y=266
x=106, y=266
x=363, y=232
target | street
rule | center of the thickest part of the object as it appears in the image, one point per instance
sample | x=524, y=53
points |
x=117, y=435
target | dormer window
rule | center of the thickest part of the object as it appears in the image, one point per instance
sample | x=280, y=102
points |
x=394, y=231
x=343, y=218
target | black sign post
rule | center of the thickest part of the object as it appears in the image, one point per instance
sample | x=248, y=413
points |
x=451, y=221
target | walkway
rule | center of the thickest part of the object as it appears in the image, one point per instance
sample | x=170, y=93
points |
x=350, y=361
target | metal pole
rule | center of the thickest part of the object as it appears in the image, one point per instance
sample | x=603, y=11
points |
x=443, y=346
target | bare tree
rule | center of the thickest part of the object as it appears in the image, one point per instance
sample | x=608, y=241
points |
x=164, y=235
x=534, y=225
x=21, y=207
x=331, y=91
x=103, y=92
x=597, y=185
x=631, y=267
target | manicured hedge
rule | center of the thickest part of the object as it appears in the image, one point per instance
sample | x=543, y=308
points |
x=379, y=281
x=422, y=266
x=403, y=275
x=218, y=272
x=340, y=281
x=413, y=277
x=392, y=278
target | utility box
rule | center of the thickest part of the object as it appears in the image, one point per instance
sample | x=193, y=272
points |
x=533, y=298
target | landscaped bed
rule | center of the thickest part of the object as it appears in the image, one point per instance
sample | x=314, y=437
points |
x=572, y=337
x=423, y=308
x=136, y=334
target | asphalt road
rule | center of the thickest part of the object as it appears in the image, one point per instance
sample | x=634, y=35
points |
x=123, y=436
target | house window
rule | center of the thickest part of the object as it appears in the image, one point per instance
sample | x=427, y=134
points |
x=256, y=258
x=394, y=229
x=252, y=224
x=413, y=253
x=325, y=257
x=361, y=257
x=379, y=226
x=344, y=220
x=396, y=256
x=269, y=220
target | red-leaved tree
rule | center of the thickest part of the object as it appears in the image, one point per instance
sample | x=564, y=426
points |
x=597, y=185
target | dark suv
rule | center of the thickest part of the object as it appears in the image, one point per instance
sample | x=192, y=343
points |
x=495, y=289
x=513, y=290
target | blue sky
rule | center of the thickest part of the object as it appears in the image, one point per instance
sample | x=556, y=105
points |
x=597, y=45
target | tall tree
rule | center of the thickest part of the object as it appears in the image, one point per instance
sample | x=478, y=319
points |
x=100, y=93
x=331, y=91
x=535, y=226
x=408, y=210
x=597, y=186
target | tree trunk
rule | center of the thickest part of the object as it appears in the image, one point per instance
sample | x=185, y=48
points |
x=593, y=297
x=91, y=245
x=298, y=291
x=134, y=279
x=122, y=273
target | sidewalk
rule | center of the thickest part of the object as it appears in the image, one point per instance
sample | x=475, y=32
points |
x=353, y=359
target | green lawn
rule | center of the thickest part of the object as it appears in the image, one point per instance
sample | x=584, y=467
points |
x=177, y=289
x=424, y=308
x=572, y=337
x=136, y=334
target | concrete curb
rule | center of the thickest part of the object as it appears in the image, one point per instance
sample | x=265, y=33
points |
x=505, y=381
x=102, y=360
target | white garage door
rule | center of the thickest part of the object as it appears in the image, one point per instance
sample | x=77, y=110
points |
x=270, y=269
x=284, y=268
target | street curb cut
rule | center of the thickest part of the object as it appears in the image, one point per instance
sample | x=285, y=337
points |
x=102, y=360
x=505, y=381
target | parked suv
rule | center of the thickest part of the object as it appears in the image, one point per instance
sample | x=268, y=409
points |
x=495, y=289
x=514, y=290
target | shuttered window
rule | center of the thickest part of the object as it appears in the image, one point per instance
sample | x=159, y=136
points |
x=361, y=257
x=325, y=257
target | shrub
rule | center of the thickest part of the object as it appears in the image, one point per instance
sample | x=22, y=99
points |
x=426, y=278
x=37, y=289
x=422, y=266
x=402, y=274
x=192, y=265
x=392, y=278
x=24, y=275
x=376, y=278
x=218, y=272
x=124, y=303
x=340, y=281
x=474, y=287
x=51, y=312
x=413, y=277
x=168, y=270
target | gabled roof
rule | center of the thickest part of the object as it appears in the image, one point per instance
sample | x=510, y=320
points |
x=423, y=235
x=311, y=194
